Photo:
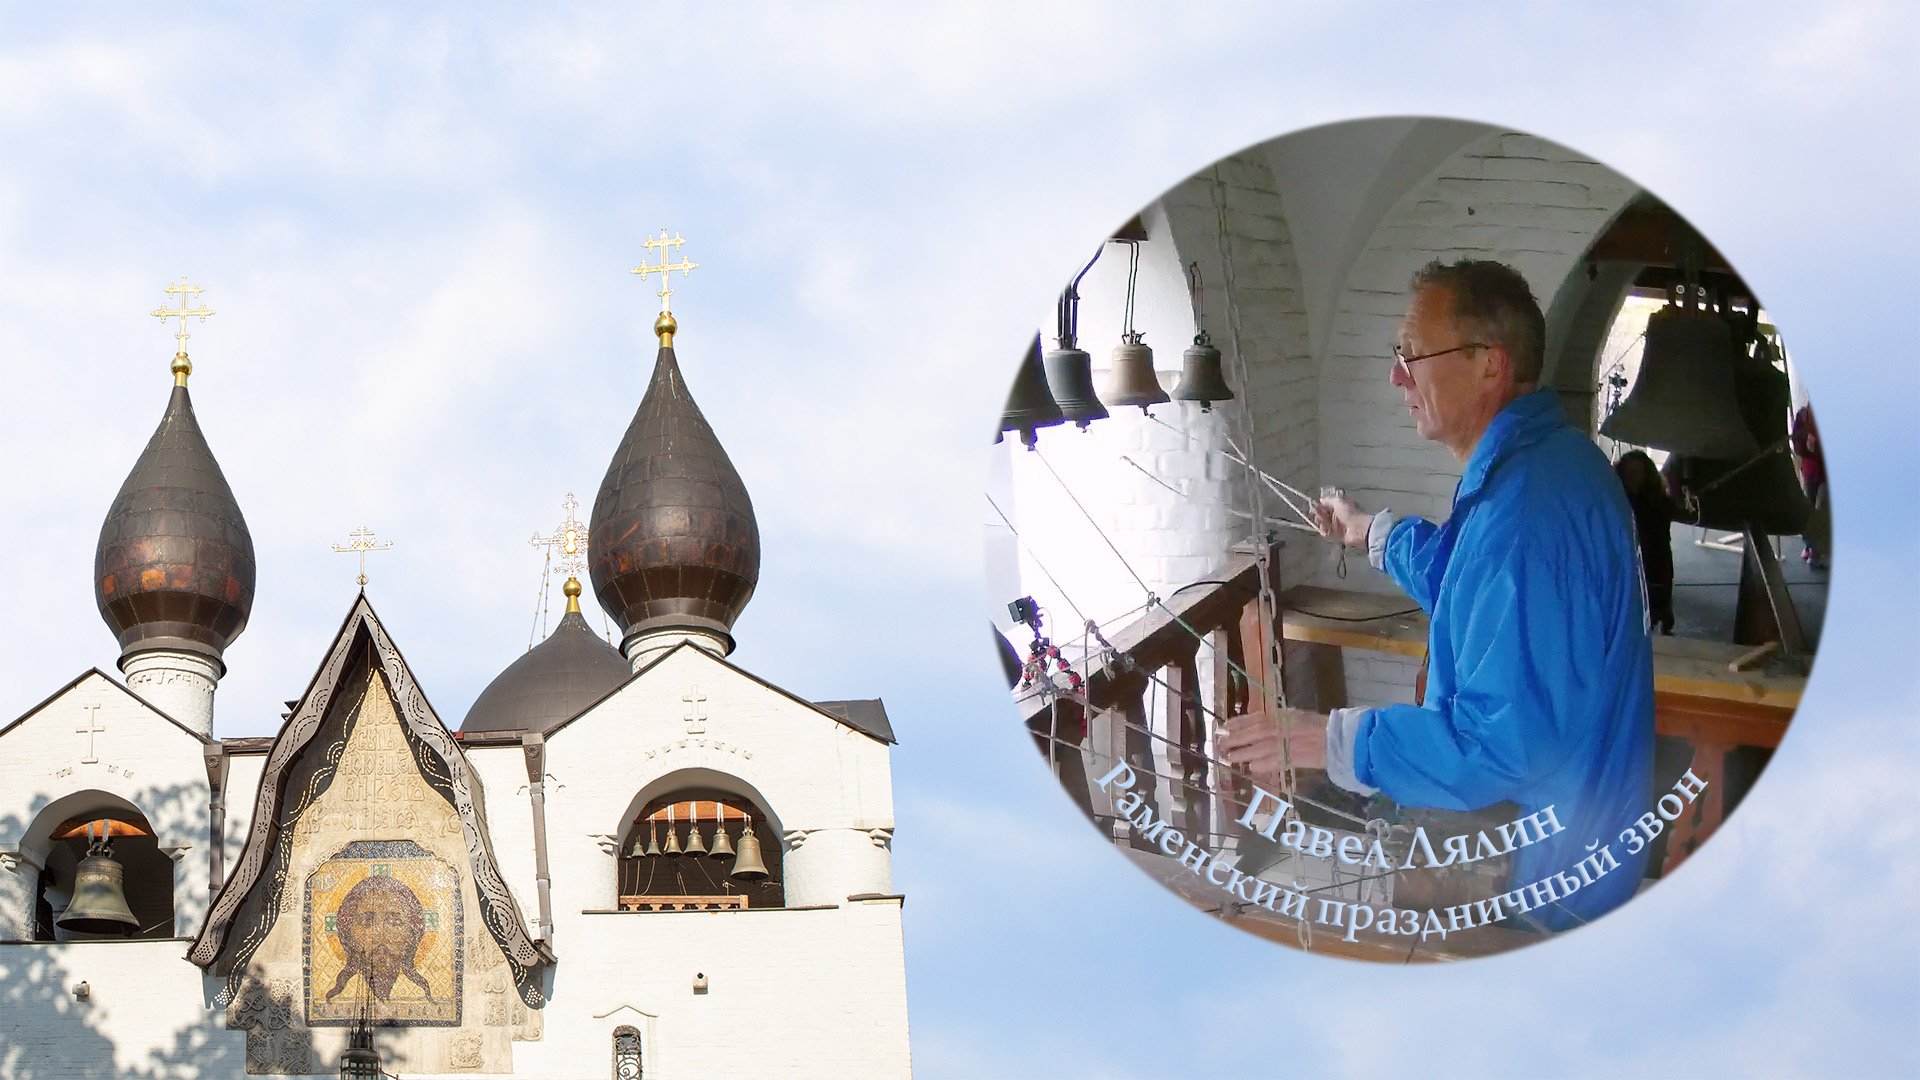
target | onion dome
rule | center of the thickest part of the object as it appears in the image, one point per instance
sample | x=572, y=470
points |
x=174, y=567
x=672, y=539
x=553, y=681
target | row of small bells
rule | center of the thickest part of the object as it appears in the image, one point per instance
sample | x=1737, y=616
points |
x=747, y=862
x=1057, y=388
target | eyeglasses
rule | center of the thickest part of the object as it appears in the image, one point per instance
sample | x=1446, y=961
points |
x=1404, y=361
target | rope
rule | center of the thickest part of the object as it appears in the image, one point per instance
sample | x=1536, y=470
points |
x=1274, y=689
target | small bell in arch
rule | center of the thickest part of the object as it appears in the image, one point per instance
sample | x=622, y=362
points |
x=722, y=843
x=747, y=864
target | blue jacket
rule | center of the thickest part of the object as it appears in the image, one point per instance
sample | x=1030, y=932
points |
x=1540, y=667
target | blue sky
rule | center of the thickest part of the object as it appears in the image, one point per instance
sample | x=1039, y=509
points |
x=416, y=223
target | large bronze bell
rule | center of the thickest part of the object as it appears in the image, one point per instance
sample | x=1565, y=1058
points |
x=1202, y=377
x=1133, y=381
x=747, y=864
x=99, y=894
x=1070, y=378
x=1686, y=400
x=1030, y=405
x=1761, y=490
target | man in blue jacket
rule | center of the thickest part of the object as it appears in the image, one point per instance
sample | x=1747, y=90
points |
x=1540, y=665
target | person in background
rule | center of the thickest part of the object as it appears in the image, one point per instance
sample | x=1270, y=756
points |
x=1813, y=476
x=1653, y=521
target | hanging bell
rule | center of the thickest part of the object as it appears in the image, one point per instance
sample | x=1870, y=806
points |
x=1202, y=377
x=1030, y=405
x=747, y=864
x=99, y=894
x=673, y=841
x=1070, y=380
x=1133, y=381
x=1685, y=400
x=1761, y=489
x=695, y=845
x=653, y=843
x=722, y=843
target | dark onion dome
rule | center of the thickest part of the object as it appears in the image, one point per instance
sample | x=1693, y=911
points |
x=174, y=568
x=551, y=682
x=672, y=540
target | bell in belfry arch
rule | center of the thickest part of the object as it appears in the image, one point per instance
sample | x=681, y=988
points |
x=1070, y=378
x=695, y=845
x=673, y=840
x=1133, y=381
x=1761, y=489
x=1030, y=405
x=653, y=843
x=1202, y=377
x=747, y=864
x=722, y=844
x=99, y=892
x=1685, y=400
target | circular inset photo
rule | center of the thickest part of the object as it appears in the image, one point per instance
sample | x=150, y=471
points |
x=1409, y=539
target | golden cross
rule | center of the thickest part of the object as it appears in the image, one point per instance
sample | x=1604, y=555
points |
x=664, y=268
x=362, y=541
x=181, y=367
x=568, y=542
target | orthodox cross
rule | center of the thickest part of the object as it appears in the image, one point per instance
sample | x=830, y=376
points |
x=183, y=312
x=696, y=718
x=664, y=268
x=181, y=366
x=90, y=729
x=568, y=544
x=362, y=541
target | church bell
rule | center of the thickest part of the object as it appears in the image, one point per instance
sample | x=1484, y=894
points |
x=1686, y=398
x=1202, y=377
x=1070, y=379
x=747, y=864
x=99, y=892
x=1762, y=489
x=1133, y=381
x=1030, y=405
x=722, y=843
x=695, y=845
x=653, y=844
x=673, y=840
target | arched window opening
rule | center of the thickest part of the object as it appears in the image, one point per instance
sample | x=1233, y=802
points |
x=104, y=877
x=626, y=1053
x=700, y=849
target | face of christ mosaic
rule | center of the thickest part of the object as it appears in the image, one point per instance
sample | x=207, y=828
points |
x=383, y=931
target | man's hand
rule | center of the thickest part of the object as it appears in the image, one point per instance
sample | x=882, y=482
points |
x=1252, y=742
x=1341, y=520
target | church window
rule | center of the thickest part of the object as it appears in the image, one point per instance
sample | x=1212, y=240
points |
x=626, y=1054
x=700, y=849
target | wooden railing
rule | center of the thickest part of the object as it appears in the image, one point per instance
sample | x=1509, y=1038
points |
x=1699, y=697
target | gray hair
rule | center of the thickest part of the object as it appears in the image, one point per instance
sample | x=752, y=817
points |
x=1493, y=305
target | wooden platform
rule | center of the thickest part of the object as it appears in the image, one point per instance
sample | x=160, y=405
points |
x=1682, y=666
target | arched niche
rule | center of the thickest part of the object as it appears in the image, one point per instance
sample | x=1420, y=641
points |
x=57, y=842
x=678, y=806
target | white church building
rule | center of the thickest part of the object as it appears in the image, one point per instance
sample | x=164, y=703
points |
x=634, y=862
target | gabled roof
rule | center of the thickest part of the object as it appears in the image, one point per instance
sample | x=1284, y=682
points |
x=867, y=716
x=362, y=634
x=110, y=681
